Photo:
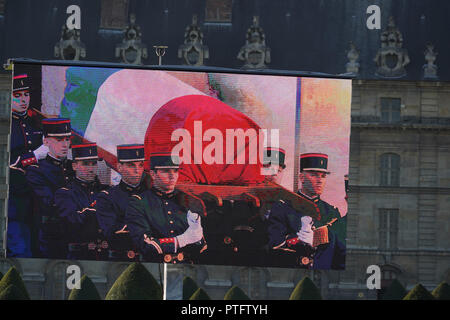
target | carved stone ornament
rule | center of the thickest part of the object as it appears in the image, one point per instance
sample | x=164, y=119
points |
x=391, y=58
x=255, y=53
x=132, y=50
x=353, y=55
x=430, y=68
x=193, y=51
x=70, y=46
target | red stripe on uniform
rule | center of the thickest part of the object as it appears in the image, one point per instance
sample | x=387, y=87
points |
x=55, y=122
x=21, y=76
x=84, y=145
x=308, y=155
x=130, y=147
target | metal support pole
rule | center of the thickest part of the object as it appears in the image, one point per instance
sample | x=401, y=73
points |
x=165, y=282
x=160, y=52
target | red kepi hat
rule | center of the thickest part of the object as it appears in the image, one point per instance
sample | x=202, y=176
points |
x=314, y=162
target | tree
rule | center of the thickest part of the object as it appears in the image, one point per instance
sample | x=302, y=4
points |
x=418, y=293
x=442, y=291
x=12, y=277
x=135, y=283
x=189, y=287
x=305, y=290
x=395, y=291
x=236, y=293
x=12, y=292
x=200, y=294
x=87, y=290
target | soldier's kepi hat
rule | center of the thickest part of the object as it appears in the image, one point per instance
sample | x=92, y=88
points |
x=86, y=151
x=276, y=155
x=21, y=82
x=130, y=152
x=164, y=161
x=56, y=127
x=314, y=162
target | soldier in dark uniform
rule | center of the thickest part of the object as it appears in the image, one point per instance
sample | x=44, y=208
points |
x=161, y=229
x=112, y=203
x=75, y=206
x=44, y=179
x=248, y=234
x=26, y=149
x=316, y=243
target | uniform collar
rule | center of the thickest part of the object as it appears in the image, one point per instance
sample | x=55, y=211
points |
x=21, y=116
x=315, y=199
x=127, y=187
x=163, y=195
x=56, y=162
x=85, y=184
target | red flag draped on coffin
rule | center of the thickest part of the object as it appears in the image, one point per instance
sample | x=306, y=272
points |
x=201, y=118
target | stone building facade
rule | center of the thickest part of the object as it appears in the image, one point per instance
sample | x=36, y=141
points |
x=399, y=200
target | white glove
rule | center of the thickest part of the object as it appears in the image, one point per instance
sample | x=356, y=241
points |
x=193, y=233
x=41, y=152
x=306, y=234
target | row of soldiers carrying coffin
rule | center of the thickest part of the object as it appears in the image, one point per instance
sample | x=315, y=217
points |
x=60, y=205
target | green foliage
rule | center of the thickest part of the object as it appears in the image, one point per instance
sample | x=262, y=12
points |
x=189, y=287
x=236, y=293
x=305, y=290
x=418, y=293
x=87, y=290
x=442, y=291
x=200, y=294
x=395, y=291
x=12, y=292
x=12, y=277
x=135, y=283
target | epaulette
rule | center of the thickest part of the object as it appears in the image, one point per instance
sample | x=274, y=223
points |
x=136, y=196
x=104, y=191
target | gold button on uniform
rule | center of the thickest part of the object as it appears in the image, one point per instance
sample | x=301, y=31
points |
x=169, y=212
x=170, y=221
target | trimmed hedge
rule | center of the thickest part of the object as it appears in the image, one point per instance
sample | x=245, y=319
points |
x=236, y=293
x=200, y=294
x=135, y=283
x=189, y=287
x=395, y=291
x=12, y=277
x=419, y=293
x=12, y=292
x=442, y=291
x=305, y=290
x=87, y=290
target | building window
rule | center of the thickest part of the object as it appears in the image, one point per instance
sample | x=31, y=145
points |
x=390, y=170
x=388, y=228
x=2, y=225
x=390, y=110
x=5, y=102
x=2, y=7
x=114, y=14
x=3, y=162
x=218, y=11
x=57, y=279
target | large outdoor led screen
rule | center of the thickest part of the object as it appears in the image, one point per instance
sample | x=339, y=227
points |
x=168, y=166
